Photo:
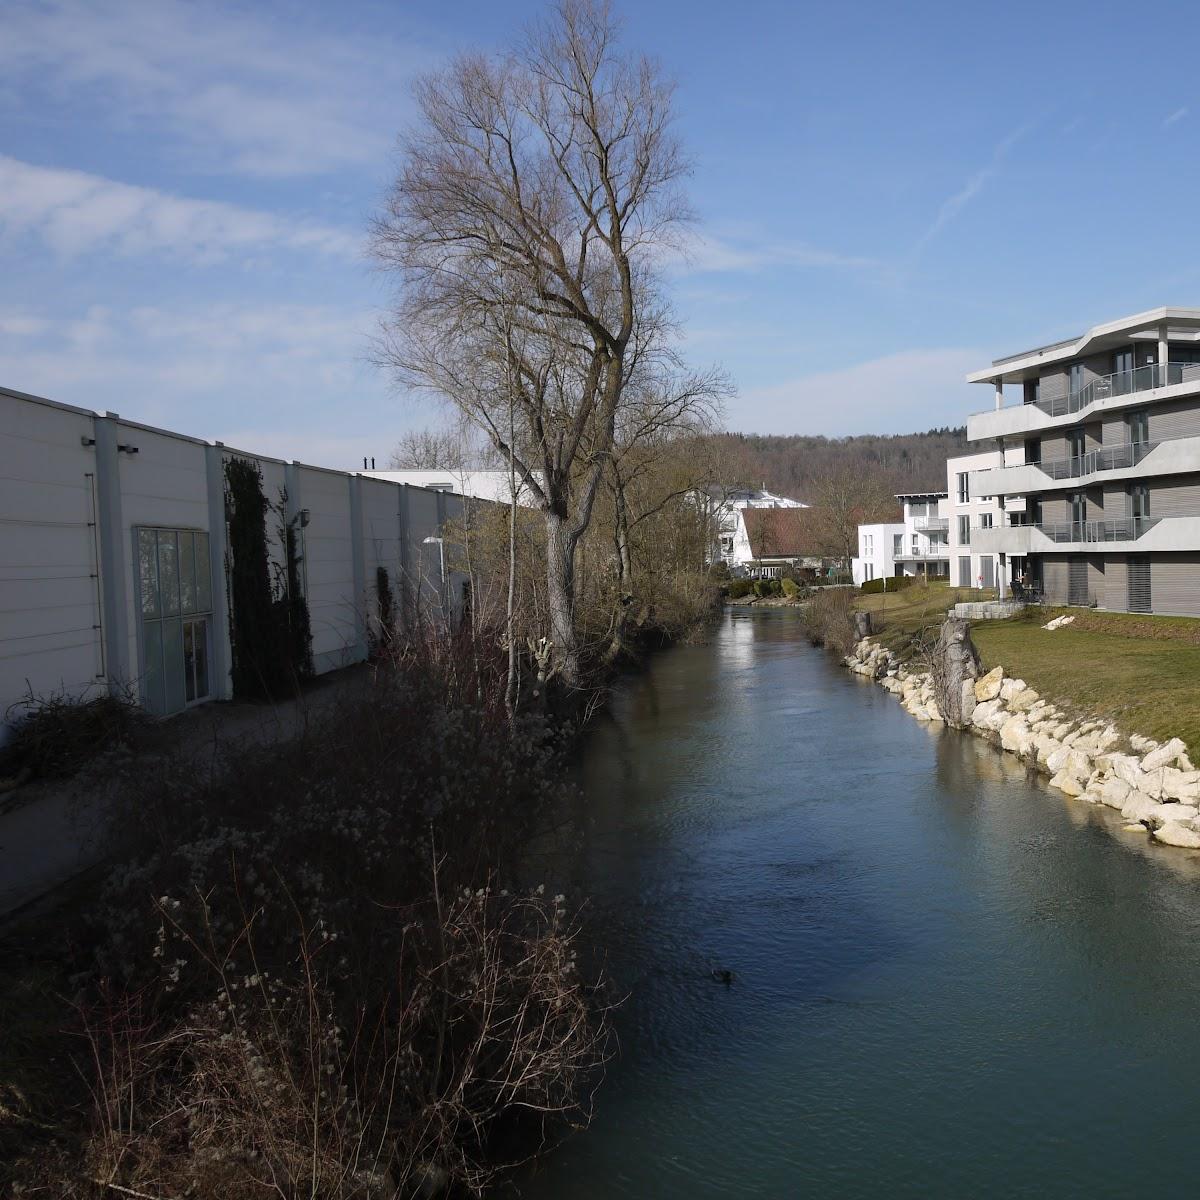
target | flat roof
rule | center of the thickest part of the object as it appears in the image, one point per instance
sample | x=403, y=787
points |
x=1183, y=325
x=922, y=495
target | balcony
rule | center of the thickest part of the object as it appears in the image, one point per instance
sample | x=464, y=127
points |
x=926, y=523
x=1126, y=529
x=1128, y=460
x=1134, y=535
x=1109, y=391
x=938, y=554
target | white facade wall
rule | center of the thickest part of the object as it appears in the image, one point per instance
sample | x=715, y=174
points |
x=972, y=514
x=876, y=557
x=50, y=636
x=75, y=486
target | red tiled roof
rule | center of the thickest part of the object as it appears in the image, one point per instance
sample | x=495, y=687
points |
x=782, y=532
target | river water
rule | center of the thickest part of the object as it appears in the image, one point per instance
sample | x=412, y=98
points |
x=949, y=980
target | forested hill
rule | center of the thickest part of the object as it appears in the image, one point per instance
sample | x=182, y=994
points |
x=792, y=465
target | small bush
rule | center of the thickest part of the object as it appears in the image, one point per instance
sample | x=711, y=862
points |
x=791, y=589
x=829, y=619
x=886, y=583
x=740, y=588
x=56, y=735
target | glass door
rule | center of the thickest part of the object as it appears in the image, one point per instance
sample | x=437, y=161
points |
x=175, y=592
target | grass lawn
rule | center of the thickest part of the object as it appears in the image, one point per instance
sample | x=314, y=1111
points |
x=915, y=607
x=1143, y=672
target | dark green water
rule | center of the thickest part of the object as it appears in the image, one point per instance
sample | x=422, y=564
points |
x=951, y=982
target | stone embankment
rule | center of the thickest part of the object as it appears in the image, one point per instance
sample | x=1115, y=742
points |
x=1153, y=786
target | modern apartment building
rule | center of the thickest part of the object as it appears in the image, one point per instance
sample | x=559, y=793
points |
x=917, y=545
x=1097, y=471
x=969, y=517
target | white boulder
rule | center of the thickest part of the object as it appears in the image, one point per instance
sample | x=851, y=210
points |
x=988, y=687
x=1175, y=834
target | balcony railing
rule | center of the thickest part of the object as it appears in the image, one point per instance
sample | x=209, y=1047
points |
x=1103, y=458
x=1122, y=383
x=940, y=553
x=1125, y=529
x=931, y=522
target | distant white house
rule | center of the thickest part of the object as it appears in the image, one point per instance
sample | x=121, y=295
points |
x=916, y=545
x=968, y=513
x=734, y=543
x=466, y=481
x=877, y=551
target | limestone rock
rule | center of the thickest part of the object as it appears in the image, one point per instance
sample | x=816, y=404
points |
x=1138, y=806
x=1143, y=745
x=1171, y=812
x=1067, y=783
x=1010, y=687
x=988, y=688
x=1115, y=792
x=1164, y=756
x=1015, y=736
x=984, y=712
x=1175, y=834
x=1023, y=701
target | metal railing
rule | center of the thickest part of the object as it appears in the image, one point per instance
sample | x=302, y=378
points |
x=923, y=554
x=1122, y=383
x=931, y=522
x=1124, y=529
x=1103, y=458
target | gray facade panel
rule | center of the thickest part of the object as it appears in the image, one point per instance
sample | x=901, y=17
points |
x=1116, y=583
x=1175, y=583
x=1177, y=497
x=1053, y=383
x=1178, y=419
x=1054, y=578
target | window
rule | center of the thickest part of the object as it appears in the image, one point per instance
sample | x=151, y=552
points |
x=985, y=520
x=897, y=544
x=1139, y=501
x=964, y=531
x=1076, y=378
x=1033, y=391
x=1122, y=362
x=964, y=487
x=1138, y=425
x=175, y=590
x=964, y=571
x=917, y=508
x=914, y=545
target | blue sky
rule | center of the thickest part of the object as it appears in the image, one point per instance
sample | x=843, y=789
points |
x=890, y=195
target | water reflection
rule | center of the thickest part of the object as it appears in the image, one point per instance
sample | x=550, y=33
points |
x=950, y=981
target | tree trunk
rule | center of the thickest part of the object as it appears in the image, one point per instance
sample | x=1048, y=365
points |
x=616, y=645
x=560, y=590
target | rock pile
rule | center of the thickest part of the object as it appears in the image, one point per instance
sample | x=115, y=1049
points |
x=1150, y=784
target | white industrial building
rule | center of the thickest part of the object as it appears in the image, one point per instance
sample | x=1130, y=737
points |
x=113, y=556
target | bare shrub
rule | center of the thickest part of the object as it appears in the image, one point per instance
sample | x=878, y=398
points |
x=829, y=619
x=318, y=970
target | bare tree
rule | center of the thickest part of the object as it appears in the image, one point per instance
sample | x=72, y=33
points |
x=843, y=500
x=526, y=229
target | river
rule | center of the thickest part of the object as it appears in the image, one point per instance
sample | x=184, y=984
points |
x=949, y=981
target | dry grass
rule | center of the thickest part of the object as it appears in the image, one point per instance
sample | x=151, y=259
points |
x=1142, y=672
x=898, y=615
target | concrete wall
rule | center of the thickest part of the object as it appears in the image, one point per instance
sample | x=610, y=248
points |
x=75, y=486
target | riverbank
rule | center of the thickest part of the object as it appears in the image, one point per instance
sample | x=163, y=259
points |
x=1152, y=784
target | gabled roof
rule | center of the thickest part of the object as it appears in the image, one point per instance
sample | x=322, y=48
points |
x=782, y=532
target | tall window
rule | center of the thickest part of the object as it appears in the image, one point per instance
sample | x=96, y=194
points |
x=985, y=520
x=897, y=544
x=1033, y=392
x=964, y=531
x=1138, y=425
x=1122, y=361
x=175, y=591
x=1076, y=378
x=964, y=487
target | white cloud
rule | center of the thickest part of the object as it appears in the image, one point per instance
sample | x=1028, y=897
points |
x=240, y=91
x=899, y=393
x=957, y=201
x=198, y=370
x=1177, y=115
x=74, y=213
x=707, y=252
